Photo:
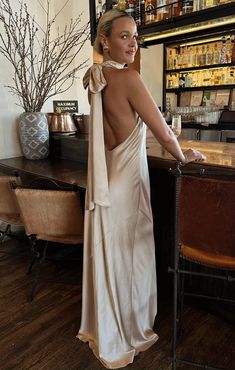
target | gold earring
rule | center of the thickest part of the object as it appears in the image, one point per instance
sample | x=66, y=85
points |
x=105, y=48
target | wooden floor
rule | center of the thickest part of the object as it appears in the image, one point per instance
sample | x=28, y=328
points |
x=42, y=334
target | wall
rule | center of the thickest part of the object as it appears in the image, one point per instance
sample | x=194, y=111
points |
x=77, y=91
x=151, y=68
x=9, y=111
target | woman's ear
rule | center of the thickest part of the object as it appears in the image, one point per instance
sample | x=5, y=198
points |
x=103, y=40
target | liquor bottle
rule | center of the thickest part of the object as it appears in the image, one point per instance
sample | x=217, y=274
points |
x=170, y=60
x=203, y=56
x=177, y=8
x=162, y=10
x=212, y=80
x=130, y=8
x=217, y=77
x=197, y=57
x=206, y=77
x=210, y=3
x=194, y=79
x=199, y=78
x=142, y=12
x=190, y=57
x=233, y=49
x=224, y=76
x=208, y=55
x=185, y=57
x=149, y=11
x=188, y=80
x=202, y=4
x=137, y=13
x=187, y=6
x=114, y=4
x=174, y=8
x=231, y=75
x=175, y=60
x=99, y=11
x=216, y=55
x=175, y=81
x=121, y=5
x=228, y=50
x=170, y=82
x=181, y=80
x=180, y=58
x=196, y=5
x=223, y=59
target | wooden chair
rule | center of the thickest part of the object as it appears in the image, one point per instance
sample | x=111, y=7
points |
x=50, y=213
x=204, y=240
x=9, y=212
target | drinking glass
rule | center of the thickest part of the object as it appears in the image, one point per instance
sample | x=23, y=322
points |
x=176, y=125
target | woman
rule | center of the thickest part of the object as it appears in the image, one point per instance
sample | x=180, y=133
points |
x=119, y=277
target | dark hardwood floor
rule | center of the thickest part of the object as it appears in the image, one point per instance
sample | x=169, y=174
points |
x=42, y=334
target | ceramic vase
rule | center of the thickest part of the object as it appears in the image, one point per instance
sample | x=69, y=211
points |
x=34, y=135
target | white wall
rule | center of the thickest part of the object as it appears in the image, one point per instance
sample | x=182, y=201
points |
x=77, y=91
x=151, y=68
x=9, y=111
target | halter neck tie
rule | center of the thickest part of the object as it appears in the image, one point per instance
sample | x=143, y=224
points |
x=97, y=187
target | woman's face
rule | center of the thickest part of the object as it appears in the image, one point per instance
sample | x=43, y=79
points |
x=122, y=42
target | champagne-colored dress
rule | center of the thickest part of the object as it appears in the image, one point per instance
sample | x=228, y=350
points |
x=119, y=301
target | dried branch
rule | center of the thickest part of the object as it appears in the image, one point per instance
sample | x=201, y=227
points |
x=43, y=66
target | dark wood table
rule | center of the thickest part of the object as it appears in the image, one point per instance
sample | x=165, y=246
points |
x=61, y=170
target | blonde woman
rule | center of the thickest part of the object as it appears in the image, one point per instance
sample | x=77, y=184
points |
x=119, y=278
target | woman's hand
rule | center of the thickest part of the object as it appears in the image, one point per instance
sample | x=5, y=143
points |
x=192, y=155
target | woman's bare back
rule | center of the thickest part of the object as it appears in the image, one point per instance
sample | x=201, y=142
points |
x=119, y=116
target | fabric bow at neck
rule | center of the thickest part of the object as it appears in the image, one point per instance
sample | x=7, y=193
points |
x=97, y=187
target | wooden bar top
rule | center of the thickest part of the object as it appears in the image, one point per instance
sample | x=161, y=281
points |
x=220, y=156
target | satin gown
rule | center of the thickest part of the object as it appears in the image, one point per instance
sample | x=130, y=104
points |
x=119, y=301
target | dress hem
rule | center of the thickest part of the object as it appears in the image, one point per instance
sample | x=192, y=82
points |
x=128, y=357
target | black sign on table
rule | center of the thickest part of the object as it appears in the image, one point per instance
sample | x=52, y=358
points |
x=65, y=106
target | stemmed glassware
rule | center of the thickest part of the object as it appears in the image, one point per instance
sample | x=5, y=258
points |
x=176, y=125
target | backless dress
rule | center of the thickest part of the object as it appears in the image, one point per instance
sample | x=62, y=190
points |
x=119, y=299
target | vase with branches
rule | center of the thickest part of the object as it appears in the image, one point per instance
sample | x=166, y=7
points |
x=45, y=58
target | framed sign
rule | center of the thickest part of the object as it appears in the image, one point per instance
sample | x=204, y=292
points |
x=65, y=106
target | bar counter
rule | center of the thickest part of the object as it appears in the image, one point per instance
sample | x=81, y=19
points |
x=69, y=167
x=220, y=156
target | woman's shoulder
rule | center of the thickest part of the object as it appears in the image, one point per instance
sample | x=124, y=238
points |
x=132, y=79
x=124, y=75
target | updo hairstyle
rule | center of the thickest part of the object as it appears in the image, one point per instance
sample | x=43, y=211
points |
x=105, y=26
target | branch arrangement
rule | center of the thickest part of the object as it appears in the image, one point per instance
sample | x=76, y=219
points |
x=42, y=58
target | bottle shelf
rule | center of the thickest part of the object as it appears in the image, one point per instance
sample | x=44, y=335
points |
x=195, y=17
x=191, y=18
x=214, y=87
x=197, y=68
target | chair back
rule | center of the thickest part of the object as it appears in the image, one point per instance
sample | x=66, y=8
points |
x=51, y=214
x=207, y=214
x=9, y=211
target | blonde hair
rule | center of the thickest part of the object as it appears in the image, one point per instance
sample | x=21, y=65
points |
x=105, y=26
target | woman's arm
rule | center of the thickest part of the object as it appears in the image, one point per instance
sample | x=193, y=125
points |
x=143, y=103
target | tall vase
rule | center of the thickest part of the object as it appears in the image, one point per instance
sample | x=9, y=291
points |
x=34, y=135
